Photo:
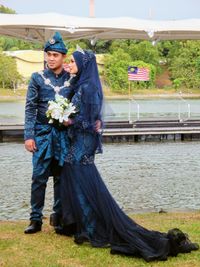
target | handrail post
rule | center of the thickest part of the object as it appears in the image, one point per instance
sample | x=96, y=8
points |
x=188, y=108
x=129, y=112
x=179, y=112
x=189, y=111
x=138, y=111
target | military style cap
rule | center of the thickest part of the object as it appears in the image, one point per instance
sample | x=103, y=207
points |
x=55, y=43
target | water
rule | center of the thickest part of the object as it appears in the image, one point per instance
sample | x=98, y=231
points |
x=141, y=177
x=152, y=109
x=13, y=112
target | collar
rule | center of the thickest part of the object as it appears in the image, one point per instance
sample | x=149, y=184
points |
x=52, y=73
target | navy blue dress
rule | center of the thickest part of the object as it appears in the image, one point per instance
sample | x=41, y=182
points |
x=86, y=201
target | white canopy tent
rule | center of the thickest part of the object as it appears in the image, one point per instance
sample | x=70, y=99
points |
x=39, y=27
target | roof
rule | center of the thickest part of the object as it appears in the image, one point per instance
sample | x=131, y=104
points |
x=32, y=56
x=39, y=27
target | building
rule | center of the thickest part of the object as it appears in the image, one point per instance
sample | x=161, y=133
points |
x=28, y=61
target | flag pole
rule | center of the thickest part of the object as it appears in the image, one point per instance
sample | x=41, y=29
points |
x=129, y=109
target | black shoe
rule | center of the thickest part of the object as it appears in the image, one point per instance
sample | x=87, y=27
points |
x=80, y=239
x=68, y=230
x=33, y=227
x=55, y=219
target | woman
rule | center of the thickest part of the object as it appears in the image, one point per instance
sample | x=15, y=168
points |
x=88, y=207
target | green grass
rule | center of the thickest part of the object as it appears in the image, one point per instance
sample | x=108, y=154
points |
x=10, y=95
x=20, y=94
x=154, y=93
x=10, y=92
x=46, y=249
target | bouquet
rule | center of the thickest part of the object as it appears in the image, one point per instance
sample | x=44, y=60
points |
x=60, y=110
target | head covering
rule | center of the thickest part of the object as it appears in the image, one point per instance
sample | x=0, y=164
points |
x=56, y=44
x=87, y=71
x=92, y=94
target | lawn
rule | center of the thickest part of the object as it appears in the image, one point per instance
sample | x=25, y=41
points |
x=46, y=249
x=10, y=95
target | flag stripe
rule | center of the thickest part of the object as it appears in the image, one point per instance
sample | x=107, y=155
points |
x=138, y=74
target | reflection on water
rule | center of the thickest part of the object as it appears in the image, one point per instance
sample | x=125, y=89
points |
x=141, y=177
x=13, y=112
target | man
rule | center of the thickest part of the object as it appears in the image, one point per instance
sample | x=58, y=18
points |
x=43, y=140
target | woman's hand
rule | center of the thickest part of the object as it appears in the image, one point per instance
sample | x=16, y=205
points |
x=67, y=123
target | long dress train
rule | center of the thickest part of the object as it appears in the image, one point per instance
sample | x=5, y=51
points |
x=100, y=220
x=89, y=207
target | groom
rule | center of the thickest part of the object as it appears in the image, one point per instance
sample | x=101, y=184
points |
x=44, y=141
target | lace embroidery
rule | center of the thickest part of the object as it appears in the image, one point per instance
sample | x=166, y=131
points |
x=85, y=160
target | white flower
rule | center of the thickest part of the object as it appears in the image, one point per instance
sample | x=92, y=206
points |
x=61, y=119
x=53, y=105
x=70, y=110
x=57, y=113
x=60, y=109
x=57, y=97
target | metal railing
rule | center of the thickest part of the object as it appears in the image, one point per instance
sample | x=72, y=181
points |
x=184, y=109
x=131, y=102
x=183, y=103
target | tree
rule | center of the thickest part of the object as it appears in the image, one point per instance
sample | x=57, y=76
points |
x=7, y=10
x=185, y=64
x=9, y=75
x=146, y=52
x=116, y=71
x=7, y=43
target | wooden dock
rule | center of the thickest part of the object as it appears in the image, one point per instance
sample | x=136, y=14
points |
x=123, y=131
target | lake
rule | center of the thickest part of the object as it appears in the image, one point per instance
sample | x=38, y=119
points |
x=13, y=112
x=142, y=177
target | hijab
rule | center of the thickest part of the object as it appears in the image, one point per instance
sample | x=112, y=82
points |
x=88, y=74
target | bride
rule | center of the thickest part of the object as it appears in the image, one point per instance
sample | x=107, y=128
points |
x=89, y=211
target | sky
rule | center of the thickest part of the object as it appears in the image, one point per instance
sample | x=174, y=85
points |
x=143, y=9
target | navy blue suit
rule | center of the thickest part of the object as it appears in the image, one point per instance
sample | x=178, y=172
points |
x=50, y=141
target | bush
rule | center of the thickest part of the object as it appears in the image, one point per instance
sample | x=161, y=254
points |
x=9, y=75
x=116, y=72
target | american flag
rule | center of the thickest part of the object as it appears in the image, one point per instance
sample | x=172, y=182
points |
x=138, y=74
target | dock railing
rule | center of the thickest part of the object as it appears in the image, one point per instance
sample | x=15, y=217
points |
x=184, y=109
x=133, y=103
x=183, y=112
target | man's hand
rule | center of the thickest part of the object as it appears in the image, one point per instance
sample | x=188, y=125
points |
x=30, y=145
x=97, y=126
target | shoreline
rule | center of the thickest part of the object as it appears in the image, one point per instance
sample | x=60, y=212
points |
x=117, y=97
x=143, y=213
x=153, y=96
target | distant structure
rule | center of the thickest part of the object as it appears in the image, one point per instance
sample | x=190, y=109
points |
x=28, y=61
x=92, y=15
